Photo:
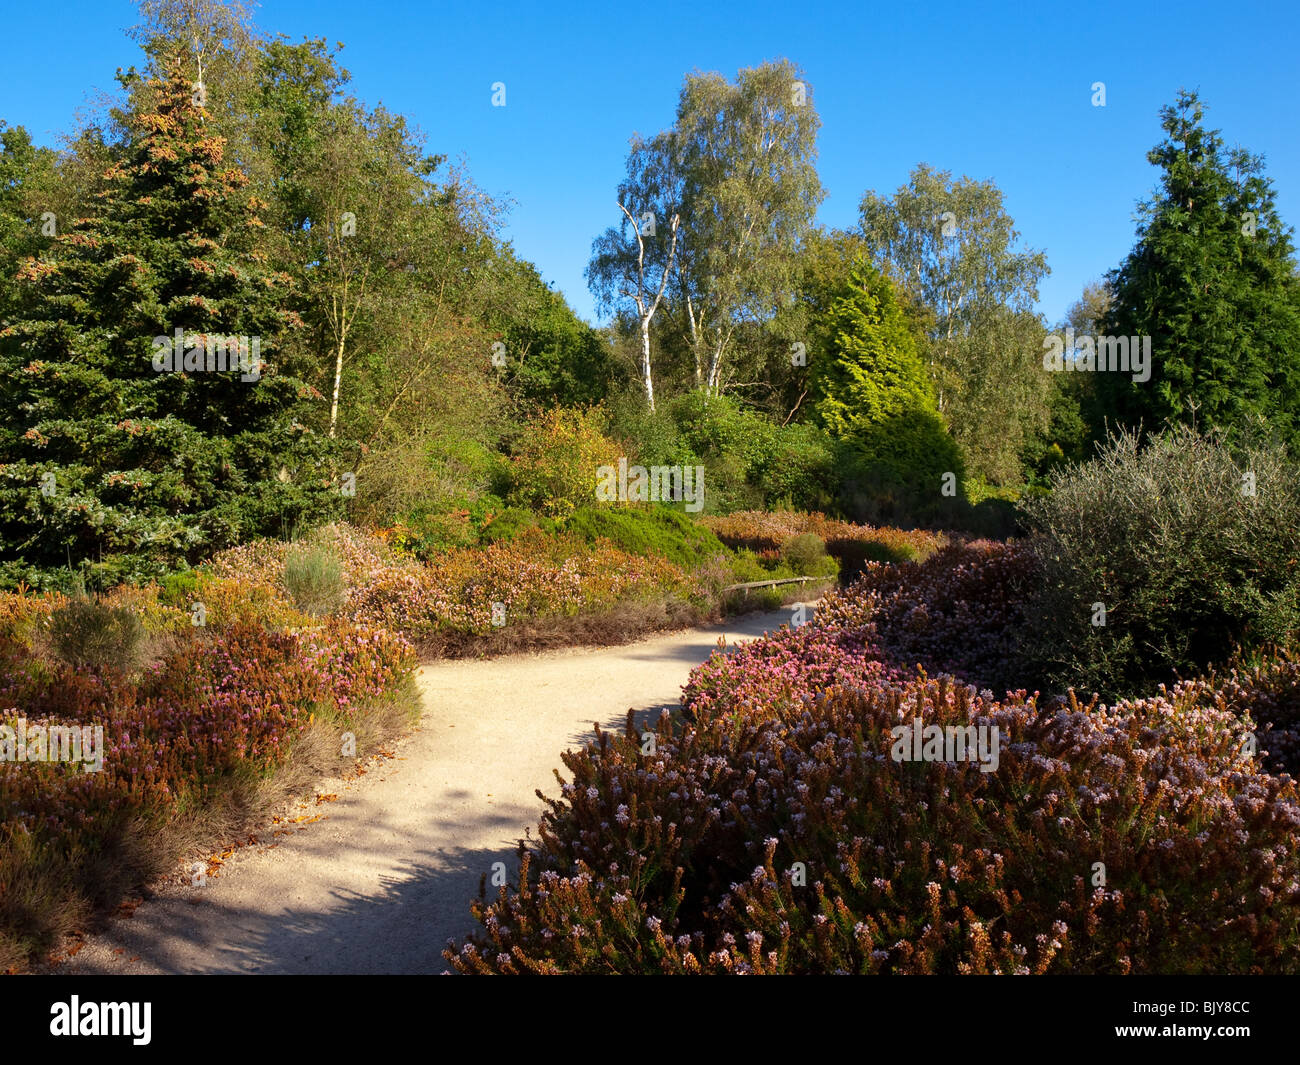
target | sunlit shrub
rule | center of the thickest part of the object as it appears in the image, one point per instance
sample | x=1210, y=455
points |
x=534, y=574
x=556, y=458
x=770, y=829
x=314, y=580
x=650, y=530
x=1190, y=546
x=86, y=631
x=851, y=545
x=805, y=554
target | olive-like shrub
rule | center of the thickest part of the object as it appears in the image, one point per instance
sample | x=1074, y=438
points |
x=1162, y=557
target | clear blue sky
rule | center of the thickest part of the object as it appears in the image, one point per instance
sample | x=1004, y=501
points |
x=997, y=90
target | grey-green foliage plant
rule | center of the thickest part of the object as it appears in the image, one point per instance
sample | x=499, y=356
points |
x=314, y=578
x=1189, y=545
x=86, y=631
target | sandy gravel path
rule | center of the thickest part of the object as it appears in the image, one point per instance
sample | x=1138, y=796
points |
x=385, y=877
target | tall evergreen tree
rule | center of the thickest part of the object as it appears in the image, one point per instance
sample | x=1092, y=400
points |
x=871, y=388
x=1212, y=280
x=107, y=461
x=27, y=174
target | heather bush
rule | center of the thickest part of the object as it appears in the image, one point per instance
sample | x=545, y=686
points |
x=851, y=545
x=1268, y=693
x=650, y=530
x=1188, y=543
x=195, y=738
x=177, y=589
x=533, y=575
x=246, y=600
x=785, y=839
x=959, y=612
x=768, y=829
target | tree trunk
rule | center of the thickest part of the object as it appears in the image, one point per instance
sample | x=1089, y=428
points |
x=338, y=380
x=645, y=362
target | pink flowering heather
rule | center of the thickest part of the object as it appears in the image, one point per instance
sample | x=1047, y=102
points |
x=218, y=713
x=773, y=830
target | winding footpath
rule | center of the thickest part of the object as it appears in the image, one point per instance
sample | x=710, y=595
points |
x=385, y=877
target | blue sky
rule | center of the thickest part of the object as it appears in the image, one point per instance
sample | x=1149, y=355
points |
x=996, y=90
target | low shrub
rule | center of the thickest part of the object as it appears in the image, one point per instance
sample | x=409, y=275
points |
x=771, y=829
x=533, y=575
x=649, y=531
x=959, y=612
x=851, y=545
x=1268, y=693
x=87, y=631
x=313, y=577
x=506, y=524
x=245, y=600
x=804, y=553
x=204, y=737
x=178, y=588
x=1160, y=558
x=556, y=458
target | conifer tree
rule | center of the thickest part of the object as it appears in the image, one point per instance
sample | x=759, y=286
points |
x=1212, y=280
x=872, y=389
x=108, y=461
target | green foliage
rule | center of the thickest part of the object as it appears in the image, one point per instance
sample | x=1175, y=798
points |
x=869, y=371
x=872, y=393
x=418, y=478
x=85, y=631
x=1191, y=546
x=314, y=579
x=507, y=524
x=555, y=463
x=1212, y=281
x=737, y=171
x=554, y=358
x=896, y=476
x=653, y=437
x=648, y=531
x=748, y=460
x=178, y=589
x=953, y=247
x=26, y=194
x=748, y=565
x=804, y=553
x=800, y=470
x=107, y=460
